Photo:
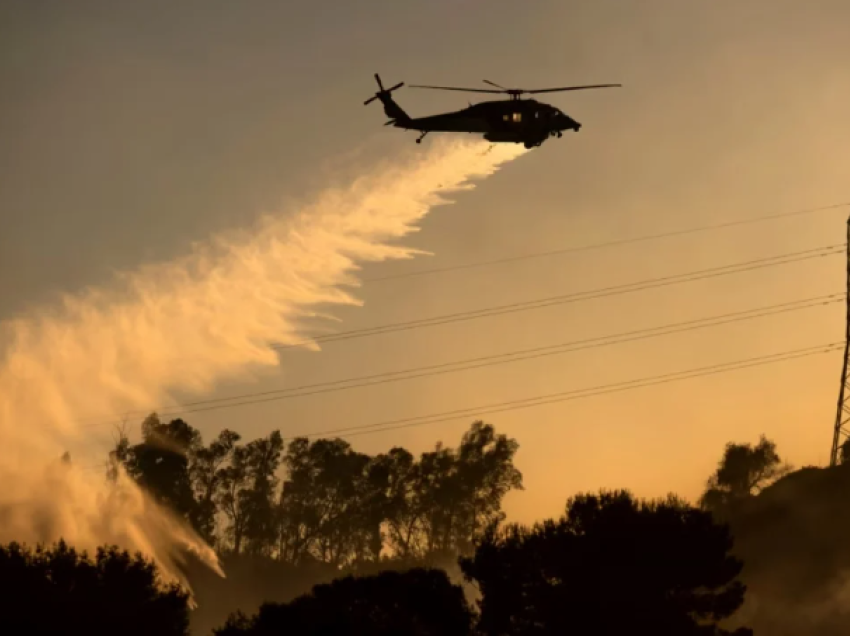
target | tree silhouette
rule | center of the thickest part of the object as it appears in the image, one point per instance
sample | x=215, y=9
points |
x=441, y=504
x=418, y=602
x=482, y=476
x=404, y=506
x=332, y=503
x=61, y=591
x=741, y=473
x=235, y=481
x=336, y=505
x=258, y=500
x=610, y=565
x=160, y=463
x=318, y=506
x=207, y=471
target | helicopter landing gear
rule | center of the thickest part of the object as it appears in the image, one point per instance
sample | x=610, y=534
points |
x=419, y=141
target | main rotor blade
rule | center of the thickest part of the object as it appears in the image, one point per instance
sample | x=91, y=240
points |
x=494, y=84
x=514, y=91
x=452, y=88
x=572, y=88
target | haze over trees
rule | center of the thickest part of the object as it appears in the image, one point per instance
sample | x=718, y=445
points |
x=322, y=507
x=419, y=601
x=791, y=529
x=334, y=505
x=319, y=535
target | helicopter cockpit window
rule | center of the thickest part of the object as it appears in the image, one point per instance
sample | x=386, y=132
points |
x=517, y=117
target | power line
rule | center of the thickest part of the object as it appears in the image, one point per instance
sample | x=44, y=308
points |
x=564, y=396
x=724, y=270
x=615, y=243
x=496, y=359
x=553, y=398
x=712, y=272
x=638, y=286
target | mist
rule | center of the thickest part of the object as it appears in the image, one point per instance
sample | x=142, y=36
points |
x=183, y=326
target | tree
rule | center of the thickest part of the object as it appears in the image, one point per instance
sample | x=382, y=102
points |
x=461, y=491
x=341, y=507
x=742, y=472
x=245, y=494
x=418, y=602
x=160, y=463
x=404, y=505
x=207, y=470
x=230, y=498
x=610, y=565
x=332, y=503
x=61, y=591
x=336, y=506
x=263, y=460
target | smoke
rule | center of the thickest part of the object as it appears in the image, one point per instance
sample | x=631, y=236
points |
x=183, y=326
x=792, y=539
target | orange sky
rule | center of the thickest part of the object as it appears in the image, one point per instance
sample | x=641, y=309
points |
x=132, y=133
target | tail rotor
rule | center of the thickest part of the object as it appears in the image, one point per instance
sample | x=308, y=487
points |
x=383, y=92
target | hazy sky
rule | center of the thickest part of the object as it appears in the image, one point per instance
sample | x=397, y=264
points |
x=129, y=130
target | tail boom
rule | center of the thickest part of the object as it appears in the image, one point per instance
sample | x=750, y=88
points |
x=392, y=110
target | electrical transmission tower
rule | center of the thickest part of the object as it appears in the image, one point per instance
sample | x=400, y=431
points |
x=842, y=417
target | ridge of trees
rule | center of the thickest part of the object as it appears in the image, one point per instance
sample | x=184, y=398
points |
x=610, y=564
x=334, y=505
x=320, y=538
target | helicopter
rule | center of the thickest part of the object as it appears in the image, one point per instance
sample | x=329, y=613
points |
x=525, y=121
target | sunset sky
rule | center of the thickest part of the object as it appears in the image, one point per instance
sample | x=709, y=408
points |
x=129, y=131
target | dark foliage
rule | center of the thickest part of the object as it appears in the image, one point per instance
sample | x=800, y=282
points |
x=793, y=539
x=160, y=463
x=743, y=471
x=610, y=565
x=286, y=518
x=61, y=591
x=418, y=602
x=333, y=505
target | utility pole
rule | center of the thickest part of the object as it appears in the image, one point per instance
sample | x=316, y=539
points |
x=842, y=417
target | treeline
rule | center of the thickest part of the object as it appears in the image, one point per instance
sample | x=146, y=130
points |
x=322, y=501
x=317, y=538
x=609, y=565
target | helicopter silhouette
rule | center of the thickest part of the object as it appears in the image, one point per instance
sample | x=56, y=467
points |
x=515, y=120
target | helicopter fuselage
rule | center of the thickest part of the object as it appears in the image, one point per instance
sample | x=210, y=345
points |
x=512, y=121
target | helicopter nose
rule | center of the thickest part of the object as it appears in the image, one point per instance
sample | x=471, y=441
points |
x=564, y=122
x=568, y=123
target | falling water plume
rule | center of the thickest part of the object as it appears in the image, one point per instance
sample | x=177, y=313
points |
x=184, y=326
